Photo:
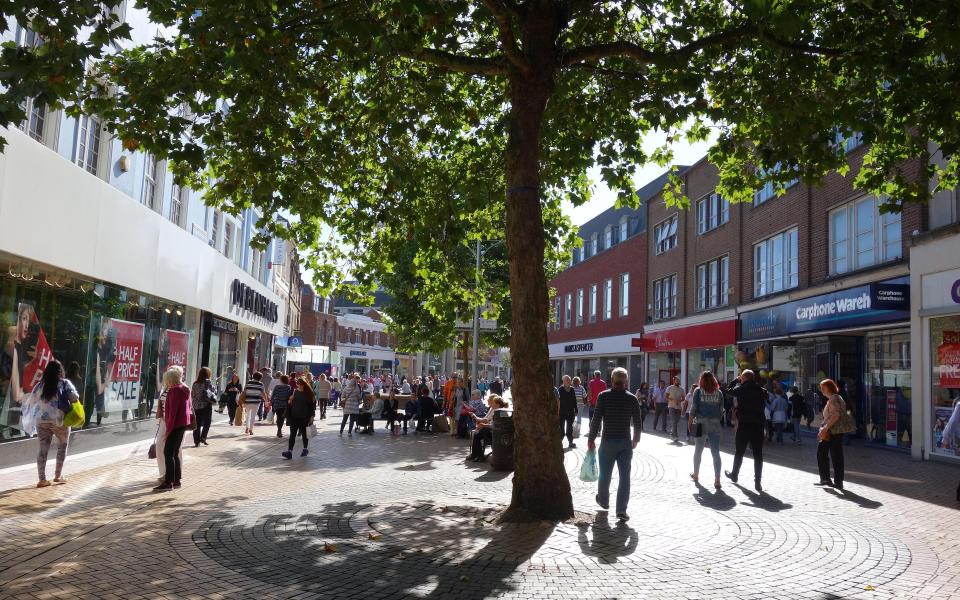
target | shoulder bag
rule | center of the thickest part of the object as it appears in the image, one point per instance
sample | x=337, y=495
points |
x=846, y=423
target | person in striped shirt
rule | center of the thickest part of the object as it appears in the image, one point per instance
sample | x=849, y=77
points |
x=616, y=410
x=253, y=394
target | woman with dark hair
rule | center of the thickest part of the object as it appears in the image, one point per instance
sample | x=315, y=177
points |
x=279, y=398
x=202, y=396
x=232, y=390
x=706, y=407
x=830, y=446
x=300, y=410
x=55, y=394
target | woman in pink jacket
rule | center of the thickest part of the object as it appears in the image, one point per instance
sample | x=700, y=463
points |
x=177, y=417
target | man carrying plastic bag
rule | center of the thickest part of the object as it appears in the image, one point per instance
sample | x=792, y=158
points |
x=617, y=409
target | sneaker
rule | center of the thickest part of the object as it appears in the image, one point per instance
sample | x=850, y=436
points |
x=824, y=483
x=163, y=487
x=304, y=452
x=602, y=505
x=623, y=517
x=43, y=483
x=838, y=486
x=204, y=442
x=730, y=476
x=176, y=484
x=287, y=455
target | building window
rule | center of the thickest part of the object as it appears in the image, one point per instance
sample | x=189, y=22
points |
x=228, y=239
x=608, y=237
x=607, y=299
x=36, y=118
x=316, y=304
x=330, y=335
x=176, y=205
x=849, y=143
x=665, y=234
x=556, y=313
x=88, y=144
x=861, y=237
x=713, y=282
x=624, y=294
x=769, y=190
x=624, y=231
x=593, y=303
x=776, y=264
x=712, y=212
x=148, y=195
x=665, y=297
x=594, y=242
x=568, y=310
x=579, y=307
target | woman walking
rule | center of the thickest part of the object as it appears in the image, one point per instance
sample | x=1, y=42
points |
x=351, y=403
x=279, y=399
x=706, y=408
x=55, y=395
x=299, y=413
x=203, y=397
x=232, y=390
x=177, y=418
x=252, y=396
x=830, y=445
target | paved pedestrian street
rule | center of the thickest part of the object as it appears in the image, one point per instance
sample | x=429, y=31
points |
x=387, y=516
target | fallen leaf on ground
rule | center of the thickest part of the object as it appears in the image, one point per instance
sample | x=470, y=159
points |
x=329, y=547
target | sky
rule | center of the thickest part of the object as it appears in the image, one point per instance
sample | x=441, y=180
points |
x=603, y=198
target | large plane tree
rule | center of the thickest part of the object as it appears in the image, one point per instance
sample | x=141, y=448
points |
x=415, y=127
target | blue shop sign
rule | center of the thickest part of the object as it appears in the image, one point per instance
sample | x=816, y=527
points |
x=871, y=304
x=358, y=353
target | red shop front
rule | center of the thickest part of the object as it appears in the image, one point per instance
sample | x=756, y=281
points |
x=686, y=352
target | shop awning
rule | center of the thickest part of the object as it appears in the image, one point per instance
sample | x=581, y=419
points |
x=707, y=335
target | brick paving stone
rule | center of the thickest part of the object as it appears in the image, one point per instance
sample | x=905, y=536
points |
x=389, y=517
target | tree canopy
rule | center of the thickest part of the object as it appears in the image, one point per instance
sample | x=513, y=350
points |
x=413, y=127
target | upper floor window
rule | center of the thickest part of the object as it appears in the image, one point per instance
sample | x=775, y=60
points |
x=861, y=237
x=665, y=297
x=713, y=282
x=769, y=190
x=624, y=294
x=594, y=244
x=228, y=239
x=607, y=299
x=624, y=228
x=665, y=234
x=593, y=303
x=776, y=264
x=713, y=211
x=316, y=304
x=34, y=124
x=148, y=195
x=850, y=142
x=568, y=309
x=556, y=313
x=88, y=144
x=579, y=307
x=608, y=237
x=177, y=197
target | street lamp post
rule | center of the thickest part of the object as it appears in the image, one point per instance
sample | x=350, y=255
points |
x=476, y=311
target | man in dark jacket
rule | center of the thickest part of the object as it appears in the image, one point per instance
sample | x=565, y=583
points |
x=496, y=387
x=568, y=409
x=749, y=398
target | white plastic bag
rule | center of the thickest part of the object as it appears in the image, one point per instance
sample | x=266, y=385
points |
x=589, y=470
x=29, y=411
x=576, y=428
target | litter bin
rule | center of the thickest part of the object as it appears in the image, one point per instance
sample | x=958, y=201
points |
x=502, y=457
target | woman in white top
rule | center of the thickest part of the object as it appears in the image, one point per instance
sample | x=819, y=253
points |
x=54, y=394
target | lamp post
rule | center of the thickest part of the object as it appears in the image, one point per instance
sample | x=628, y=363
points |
x=476, y=311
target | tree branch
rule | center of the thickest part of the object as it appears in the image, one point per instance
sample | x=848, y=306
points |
x=623, y=49
x=504, y=14
x=773, y=40
x=470, y=65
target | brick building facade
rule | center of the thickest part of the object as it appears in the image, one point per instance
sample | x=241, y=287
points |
x=317, y=319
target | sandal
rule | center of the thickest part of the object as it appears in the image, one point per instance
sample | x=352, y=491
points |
x=60, y=479
x=43, y=483
x=694, y=477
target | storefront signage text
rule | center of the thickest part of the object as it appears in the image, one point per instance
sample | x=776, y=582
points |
x=358, y=353
x=222, y=324
x=587, y=347
x=862, y=305
x=707, y=335
x=247, y=298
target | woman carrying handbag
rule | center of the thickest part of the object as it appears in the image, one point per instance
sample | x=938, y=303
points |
x=836, y=422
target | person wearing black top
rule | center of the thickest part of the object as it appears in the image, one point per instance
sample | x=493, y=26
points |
x=568, y=409
x=496, y=387
x=749, y=399
x=616, y=410
x=278, y=401
x=798, y=408
x=300, y=410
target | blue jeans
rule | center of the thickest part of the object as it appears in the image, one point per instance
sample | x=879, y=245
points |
x=619, y=451
x=714, y=439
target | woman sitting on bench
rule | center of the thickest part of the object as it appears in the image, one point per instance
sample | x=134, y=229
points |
x=484, y=433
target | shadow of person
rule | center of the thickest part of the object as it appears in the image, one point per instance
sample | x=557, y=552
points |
x=855, y=498
x=607, y=543
x=719, y=500
x=763, y=500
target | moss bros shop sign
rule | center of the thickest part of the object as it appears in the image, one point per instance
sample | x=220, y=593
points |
x=248, y=299
x=863, y=305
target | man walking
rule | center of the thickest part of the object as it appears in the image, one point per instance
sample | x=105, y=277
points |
x=596, y=387
x=321, y=389
x=568, y=409
x=616, y=410
x=749, y=398
x=675, y=397
x=660, y=406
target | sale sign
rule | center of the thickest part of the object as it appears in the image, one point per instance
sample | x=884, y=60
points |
x=125, y=347
x=174, y=346
x=33, y=351
x=948, y=360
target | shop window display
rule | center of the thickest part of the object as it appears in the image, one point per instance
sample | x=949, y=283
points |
x=888, y=387
x=945, y=378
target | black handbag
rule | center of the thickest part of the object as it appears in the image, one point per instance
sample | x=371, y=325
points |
x=697, y=430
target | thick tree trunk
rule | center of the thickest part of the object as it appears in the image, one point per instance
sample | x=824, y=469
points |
x=541, y=489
